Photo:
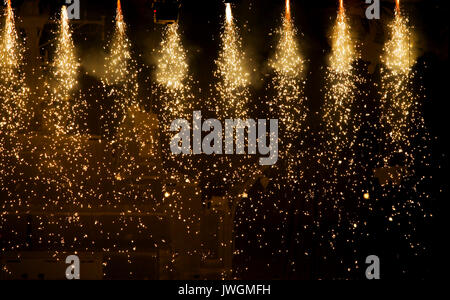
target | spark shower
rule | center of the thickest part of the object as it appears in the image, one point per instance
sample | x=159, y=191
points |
x=340, y=177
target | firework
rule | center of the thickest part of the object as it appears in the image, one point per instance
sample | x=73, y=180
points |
x=341, y=177
x=120, y=77
x=13, y=90
x=176, y=100
x=400, y=118
x=172, y=75
x=15, y=112
x=59, y=113
x=61, y=159
x=174, y=88
x=289, y=85
x=341, y=88
x=233, y=78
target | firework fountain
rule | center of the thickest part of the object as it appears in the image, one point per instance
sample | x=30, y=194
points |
x=172, y=77
x=343, y=175
x=59, y=113
x=174, y=90
x=15, y=113
x=289, y=84
x=120, y=77
x=286, y=193
x=340, y=118
x=174, y=87
x=124, y=127
x=400, y=116
x=231, y=72
x=405, y=138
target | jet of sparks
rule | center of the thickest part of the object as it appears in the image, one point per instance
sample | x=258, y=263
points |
x=13, y=90
x=341, y=87
x=172, y=68
x=397, y=51
x=398, y=101
x=231, y=72
x=65, y=71
x=120, y=77
x=288, y=82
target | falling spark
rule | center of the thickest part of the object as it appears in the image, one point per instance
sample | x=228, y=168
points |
x=405, y=137
x=174, y=90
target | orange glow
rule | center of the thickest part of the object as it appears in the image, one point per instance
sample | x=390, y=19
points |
x=9, y=4
x=228, y=13
x=119, y=8
x=288, y=10
x=397, y=5
x=119, y=17
x=341, y=10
